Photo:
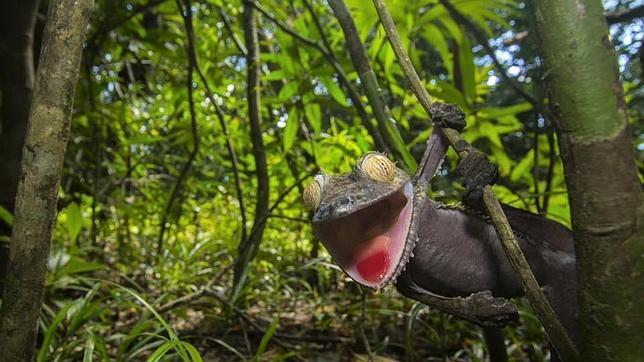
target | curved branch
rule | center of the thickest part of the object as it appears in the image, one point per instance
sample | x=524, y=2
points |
x=370, y=82
x=520, y=266
x=186, y=14
x=343, y=78
x=623, y=16
x=249, y=247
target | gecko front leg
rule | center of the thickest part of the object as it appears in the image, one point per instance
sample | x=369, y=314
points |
x=480, y=308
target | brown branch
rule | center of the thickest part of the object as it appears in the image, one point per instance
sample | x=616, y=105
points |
x=48, y=132
x=343, y=78
x=482, y=40
x=552, y=161
x=626, y=15
x=535, y=162
x=352, y=92
x=283, y=195
x=240, y=46
x=96, y=141
x=249, y=247
x=369, y=81
x=186, y=14
x=520, y=266
x=96, y=40
x=230, y=147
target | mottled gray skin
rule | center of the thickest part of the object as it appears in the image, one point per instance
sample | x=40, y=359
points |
x=457, y=251
x=453, y=259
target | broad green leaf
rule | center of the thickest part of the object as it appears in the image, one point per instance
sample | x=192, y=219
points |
x=88, y=354
x=290, y=131
x=497, y=112
x=193, y=354
x=467, y=68
x=74, y=220
x=334, y=91
x=267, y=337
x=162, y=350
x=77, y=265
x=523, y=167
x=6, y=216
x=43, y=353
x=289, y=90
x=314, y=116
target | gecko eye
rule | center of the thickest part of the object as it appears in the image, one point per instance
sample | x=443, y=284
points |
x=312, y=194
x=378, y=167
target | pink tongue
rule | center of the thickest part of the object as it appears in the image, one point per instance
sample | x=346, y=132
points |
x=374, y=267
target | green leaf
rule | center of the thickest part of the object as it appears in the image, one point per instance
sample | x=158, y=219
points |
x=88, y=354
x=290, y=131
x=334, y=90
x=77, y=265
x=499, y=112
x=267, y=337
x=523, y=167
x=289, y=90
x=74, y=220
x=162, y=350
x=43, y=353
x=6, y=216
x=468, y=70
x=193, y=354
x=314, y=116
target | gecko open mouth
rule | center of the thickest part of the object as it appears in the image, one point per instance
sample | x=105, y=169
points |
x=369, y=243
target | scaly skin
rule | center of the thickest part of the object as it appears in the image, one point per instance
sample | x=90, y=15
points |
x=453, y=259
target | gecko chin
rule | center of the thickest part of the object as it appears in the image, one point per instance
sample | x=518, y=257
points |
x=369, y=244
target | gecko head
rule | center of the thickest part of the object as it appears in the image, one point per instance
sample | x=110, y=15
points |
x=363, y=218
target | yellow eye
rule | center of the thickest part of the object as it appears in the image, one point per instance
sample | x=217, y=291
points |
x=312, y=194
x=378, y=167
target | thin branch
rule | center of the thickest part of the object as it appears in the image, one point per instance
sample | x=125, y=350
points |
x=363, y=335
x=626, y=15
x=535, y=167
x=283, y=195
x=343, y=78
x=96, y=141
x=230, y=147
x=552, y=161
x=291, y=218
x=99, y=36
x=369, y=80
x=351, y=89
x=249, y=247
x=520, y=266
x=319, y=26
x=185, y=170
x=482, y=40
x=240, y=46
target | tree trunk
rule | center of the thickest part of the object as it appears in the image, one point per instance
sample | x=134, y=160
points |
x=605, y=197
x=44, y=150
x=17, y=22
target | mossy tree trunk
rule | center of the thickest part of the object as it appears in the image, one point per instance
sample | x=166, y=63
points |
x=607, y=210
x=43, y=153
x=17, y=23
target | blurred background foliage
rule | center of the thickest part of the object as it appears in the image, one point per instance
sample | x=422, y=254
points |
x=130, y=166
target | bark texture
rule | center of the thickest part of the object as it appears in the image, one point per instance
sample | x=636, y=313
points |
x=249, y=247
x=43, y=153
x=605, y=197
x=17, y=21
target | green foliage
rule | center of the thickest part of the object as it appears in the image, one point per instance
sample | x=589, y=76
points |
x=131, y=137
